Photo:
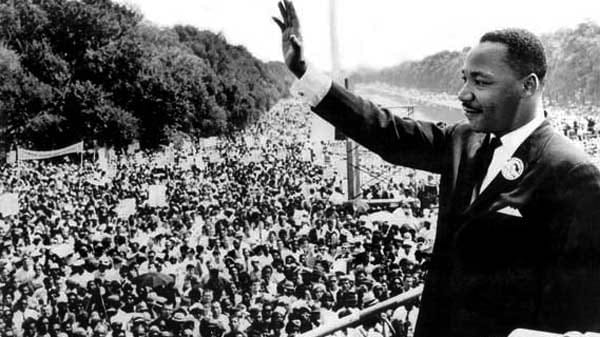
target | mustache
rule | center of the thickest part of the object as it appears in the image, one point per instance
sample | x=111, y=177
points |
x=468, y=106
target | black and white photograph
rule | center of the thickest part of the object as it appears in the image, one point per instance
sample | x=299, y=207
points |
x=299, y=168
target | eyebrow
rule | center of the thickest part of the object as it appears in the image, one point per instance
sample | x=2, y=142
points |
x=478, y=73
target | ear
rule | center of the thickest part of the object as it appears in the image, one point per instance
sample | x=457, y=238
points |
x=531, y=85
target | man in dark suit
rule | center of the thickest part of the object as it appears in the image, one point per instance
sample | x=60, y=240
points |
x=518, y=235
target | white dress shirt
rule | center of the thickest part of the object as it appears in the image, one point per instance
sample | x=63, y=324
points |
x=510, y=142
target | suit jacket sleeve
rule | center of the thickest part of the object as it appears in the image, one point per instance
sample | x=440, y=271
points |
x=401, y=141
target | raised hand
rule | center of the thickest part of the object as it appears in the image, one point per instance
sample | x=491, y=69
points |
x=291, y=39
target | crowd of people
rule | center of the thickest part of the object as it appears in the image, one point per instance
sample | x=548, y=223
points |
x=582, y=125
x=254, y=238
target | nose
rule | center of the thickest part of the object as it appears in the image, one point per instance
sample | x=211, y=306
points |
x=465, y=94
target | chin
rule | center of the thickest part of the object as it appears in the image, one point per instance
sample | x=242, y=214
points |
x=475, y=126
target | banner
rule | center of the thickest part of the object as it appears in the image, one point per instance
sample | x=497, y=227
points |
x=125, y=208
x=157, y=196
x=23, y=154
x=9, y=204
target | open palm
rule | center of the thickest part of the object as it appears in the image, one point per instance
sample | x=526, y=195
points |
x=291, y=38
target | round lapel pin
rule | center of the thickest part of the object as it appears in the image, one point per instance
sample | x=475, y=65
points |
x=513, y=169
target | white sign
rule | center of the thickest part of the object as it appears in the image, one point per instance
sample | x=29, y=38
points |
x=9, y=204
x=305, y=155
x=157, y=195
x=102, y=159
x=11, y=157
x=214, y=157
x=134, y=146
x=125, y=208
x=210, y=142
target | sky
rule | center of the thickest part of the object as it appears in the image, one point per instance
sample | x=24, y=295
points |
x=371, y=33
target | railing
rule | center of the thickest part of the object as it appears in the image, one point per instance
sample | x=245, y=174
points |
x=535, y=333
x=359, y=317
x=391, y=303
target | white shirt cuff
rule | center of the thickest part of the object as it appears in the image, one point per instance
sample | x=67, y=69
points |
x=312, y=87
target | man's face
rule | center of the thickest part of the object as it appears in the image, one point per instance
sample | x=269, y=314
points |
x=216, y=309
x=167, y=310
x=267, y=311
x=266, y=273
x=207, y=296
x=491, y=93
x=234, y=323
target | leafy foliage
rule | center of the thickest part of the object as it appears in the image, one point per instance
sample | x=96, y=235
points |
x=93, y=70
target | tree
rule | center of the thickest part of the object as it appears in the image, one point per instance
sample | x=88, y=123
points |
x=92, y=70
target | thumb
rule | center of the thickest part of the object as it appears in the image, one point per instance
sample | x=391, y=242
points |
x=296, y=44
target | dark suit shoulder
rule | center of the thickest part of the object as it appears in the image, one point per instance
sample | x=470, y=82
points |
x=562, y=153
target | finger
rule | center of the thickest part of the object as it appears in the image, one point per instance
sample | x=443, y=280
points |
x=284, y=14
x=293, y=17
x=295, y=42
x=279, y=23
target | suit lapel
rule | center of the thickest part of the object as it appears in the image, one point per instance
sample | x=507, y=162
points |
x=464, y=181
x=528, y=152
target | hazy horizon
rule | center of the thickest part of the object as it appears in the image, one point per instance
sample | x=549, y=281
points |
x=374, y=34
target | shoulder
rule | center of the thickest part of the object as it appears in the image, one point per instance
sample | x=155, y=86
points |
x=569, y=166
x=562, y=153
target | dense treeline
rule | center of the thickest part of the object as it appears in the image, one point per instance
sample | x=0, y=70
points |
x=573, y=59
x=93, y=70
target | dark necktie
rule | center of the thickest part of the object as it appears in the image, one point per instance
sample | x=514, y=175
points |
x=483, y=159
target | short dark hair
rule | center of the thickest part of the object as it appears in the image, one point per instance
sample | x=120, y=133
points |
x=525, y=50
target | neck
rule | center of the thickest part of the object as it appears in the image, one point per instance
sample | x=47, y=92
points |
x=537, y=106
x=529, y=111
